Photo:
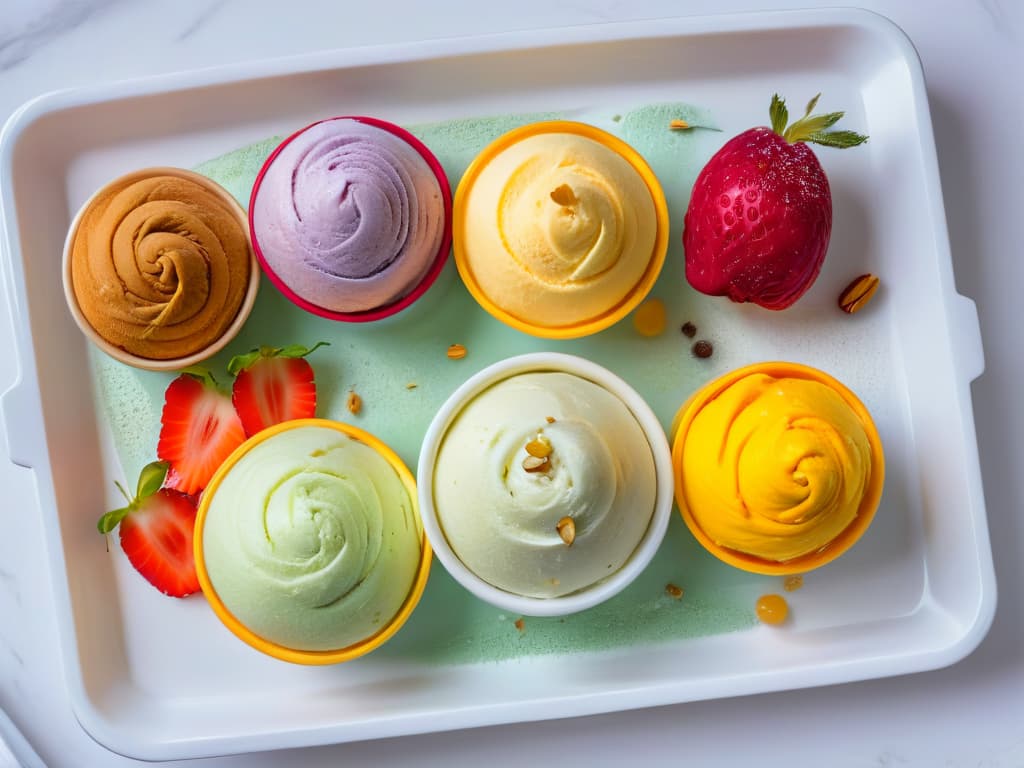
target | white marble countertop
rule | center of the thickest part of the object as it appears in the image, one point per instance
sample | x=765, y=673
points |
x=966, y=715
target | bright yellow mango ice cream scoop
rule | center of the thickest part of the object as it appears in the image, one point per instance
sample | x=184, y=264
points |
x=779, y=468
x=560, y=229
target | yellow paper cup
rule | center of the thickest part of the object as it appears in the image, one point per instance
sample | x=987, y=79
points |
x=138, y=264
x=276, y=650
x=463, y=242
x=746, y=561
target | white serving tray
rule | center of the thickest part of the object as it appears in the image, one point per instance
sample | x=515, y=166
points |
x=917, y=593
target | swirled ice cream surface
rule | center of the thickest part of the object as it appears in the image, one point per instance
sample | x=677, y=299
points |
x=775, y=467
x=349, y=216
x=312, y=540
x=559, y=229
x=501, y=520
x=160, y=265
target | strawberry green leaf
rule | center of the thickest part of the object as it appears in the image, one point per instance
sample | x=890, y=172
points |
x=110, y=521
x=812, y=128
x=296, y=350
x=811, y=105
x=150, y=479
x=837, y=139
x=779, y=114
x=203, y=374
x=807, y=126
x=240, y=362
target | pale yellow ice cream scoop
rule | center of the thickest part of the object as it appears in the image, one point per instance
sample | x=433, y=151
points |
x=544, y=484
x=560, y=229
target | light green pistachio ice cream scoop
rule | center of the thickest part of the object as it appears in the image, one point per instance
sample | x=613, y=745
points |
x=500, y=506
x=312, y=540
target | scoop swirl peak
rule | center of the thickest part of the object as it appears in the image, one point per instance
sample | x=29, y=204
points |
x=349, y=216
x=557, y=228
x=311, y=539
x=160, y=264
x=776, y=467
x=500, y=511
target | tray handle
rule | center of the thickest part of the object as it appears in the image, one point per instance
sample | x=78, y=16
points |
x=967, y=345
x=20, y=428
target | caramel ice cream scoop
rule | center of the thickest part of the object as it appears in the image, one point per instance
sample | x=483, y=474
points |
x=160, y=263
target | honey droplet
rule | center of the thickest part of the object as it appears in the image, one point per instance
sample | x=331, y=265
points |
x=649, y=318
x=772, y=609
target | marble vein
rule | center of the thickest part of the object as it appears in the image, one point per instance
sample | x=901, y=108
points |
x=210, y=11
x=17, y=46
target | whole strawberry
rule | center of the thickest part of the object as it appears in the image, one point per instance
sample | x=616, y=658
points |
x=759, y=220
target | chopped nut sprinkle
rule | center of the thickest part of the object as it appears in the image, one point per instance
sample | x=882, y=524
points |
x=520, y=625
x=678, y=125
x=793, y=583
x=858, y=293
x=411, y=385
x=536, y=464
x=566, y=528
x=673, y=591
x=354, y=403
x=550, y=419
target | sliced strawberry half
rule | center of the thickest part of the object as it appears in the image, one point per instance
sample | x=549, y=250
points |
x=273, y=385
x=198, y=430
x=156, y=533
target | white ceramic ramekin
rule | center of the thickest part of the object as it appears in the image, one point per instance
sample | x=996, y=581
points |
x=649, y=543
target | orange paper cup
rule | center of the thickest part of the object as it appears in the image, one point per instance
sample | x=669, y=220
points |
x=461, y=244
x=868, y=504
x=277, y=650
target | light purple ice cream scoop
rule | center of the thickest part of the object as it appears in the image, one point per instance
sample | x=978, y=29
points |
x=349, y=216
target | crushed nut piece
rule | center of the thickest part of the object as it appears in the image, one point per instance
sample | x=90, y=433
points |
x=550, y=419
x=539, y=448
x=456, y=352
x=536, y=464
x=520, y=624
x=678, y=125
x=673, y=591
x=354, y=403
x=411, y=385
x=793, y=583
x=566, y=528
x=858, y=293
